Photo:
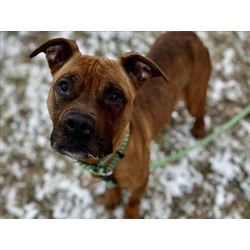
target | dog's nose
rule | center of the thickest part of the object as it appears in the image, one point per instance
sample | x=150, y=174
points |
x=77, y=123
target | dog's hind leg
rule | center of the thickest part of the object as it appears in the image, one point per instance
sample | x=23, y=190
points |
x=195, y=96
x=197, y=109
x=196, y=105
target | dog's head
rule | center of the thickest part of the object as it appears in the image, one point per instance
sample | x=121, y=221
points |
x=91, y=98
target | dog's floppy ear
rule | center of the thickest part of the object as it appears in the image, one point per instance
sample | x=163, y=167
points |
x=140, y=68
x=58, y=51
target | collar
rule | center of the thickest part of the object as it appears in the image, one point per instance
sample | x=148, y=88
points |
x=99, y=169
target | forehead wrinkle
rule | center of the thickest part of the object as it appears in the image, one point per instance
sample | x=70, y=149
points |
x=92, y=79
x=99, y=69
x=93, y=70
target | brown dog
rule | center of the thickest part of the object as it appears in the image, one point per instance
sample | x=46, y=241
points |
x=96, y=102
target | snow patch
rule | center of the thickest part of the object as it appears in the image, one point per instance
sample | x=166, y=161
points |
x=179, y=179
x=222, y=164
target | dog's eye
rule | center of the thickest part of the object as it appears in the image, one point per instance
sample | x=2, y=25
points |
x=115, y=96
x=63, y=86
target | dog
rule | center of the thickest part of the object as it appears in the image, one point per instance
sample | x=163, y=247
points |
x=106, y=112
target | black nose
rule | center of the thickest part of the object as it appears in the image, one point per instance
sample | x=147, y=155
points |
x=77, y=123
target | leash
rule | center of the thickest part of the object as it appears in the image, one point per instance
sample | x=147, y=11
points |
x=224, y=128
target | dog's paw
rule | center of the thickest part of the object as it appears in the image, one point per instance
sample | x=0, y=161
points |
x=131, y=212
x=198, y=130
x=112, y=198
x=198, y=133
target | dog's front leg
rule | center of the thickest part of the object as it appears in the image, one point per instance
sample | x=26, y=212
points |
x=132, y=207
x=112, y=197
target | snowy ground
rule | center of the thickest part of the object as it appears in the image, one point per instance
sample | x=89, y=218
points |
x=36, y=182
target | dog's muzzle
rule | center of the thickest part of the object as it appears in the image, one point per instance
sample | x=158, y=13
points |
x=77, y=136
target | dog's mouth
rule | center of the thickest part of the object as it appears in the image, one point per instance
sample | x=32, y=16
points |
x=85, y=157
x=89, y=151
